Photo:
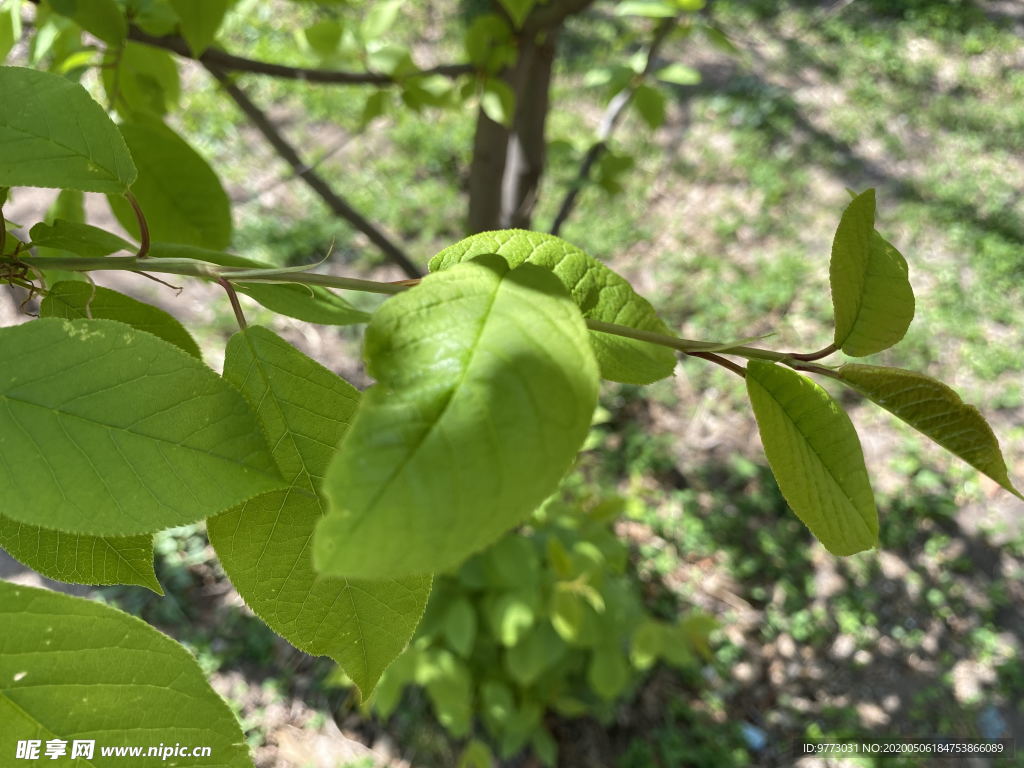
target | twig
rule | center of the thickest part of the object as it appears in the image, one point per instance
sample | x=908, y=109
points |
x=313, y=180
x=728, y=364
x=143, y=225
x=812, y=356
x=233, y=298
x=225, y=61
x=609, y=122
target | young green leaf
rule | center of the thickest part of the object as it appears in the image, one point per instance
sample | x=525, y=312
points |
x=486, y=387
x=52, y=134
x=380, y=17
x=77, y=238
x=311, y=304
x=871, y=292
x=200, y=20
x=75, y=669
x=598, y=291
x=180, y=194
x=935, y=410
x=112, y=432
x=265, y=544
x=816, y=457
x=76, y=301
x=77, y=559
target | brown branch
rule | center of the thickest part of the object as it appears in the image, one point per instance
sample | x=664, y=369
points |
x=718, y=360
x=338, y=205
x=228, y=62
x=609, y=122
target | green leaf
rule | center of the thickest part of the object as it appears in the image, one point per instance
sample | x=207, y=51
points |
x=518, y=10
x=77, y=559
x=310, y=304
x=264, y=545
x=180, y=194
x=816, y=457
x=651, y=9
x=142, y=80
x=79, y=239
x=511, y=616
x=112, y=432
x=460, y=627
x=498, y=101
x=76, y=669
x=539, y=650
x=600, y=293
x=450, y=689
x=75, y=301
x=646, y=644
x=200, y=20
x=567, y=613
x=608, y=672
x=935, y=410
x=52, y=134
x=486, y=387
x=650, y=105
x=679, y=74
x=102, y=18
x=871, y=291
x=324, y=37
x=380, y=18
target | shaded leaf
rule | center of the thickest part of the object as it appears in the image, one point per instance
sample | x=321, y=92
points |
x=199, y=21
x=109, y=431
x=598, y=291
x=142, y=80
x=180, y=194
x=71, y=667
x=815, y=455
x=52, y=134
x=935, y=410
x=650, y=104
x=102, y=18
x=78, y=238
x=77, y=559
x=431, y=470
x=76, y=301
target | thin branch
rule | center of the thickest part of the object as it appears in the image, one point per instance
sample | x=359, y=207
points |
x=235, y=304
x=143, y=225
x=812, y=356
x=195, y=268
x=727, y=364
x=338, y=205
x=609, y=122
x=225, y=61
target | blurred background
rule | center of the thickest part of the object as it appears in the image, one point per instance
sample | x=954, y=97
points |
x=738, y=633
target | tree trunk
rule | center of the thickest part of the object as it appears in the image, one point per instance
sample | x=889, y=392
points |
x=508, y=164
x=527, y=144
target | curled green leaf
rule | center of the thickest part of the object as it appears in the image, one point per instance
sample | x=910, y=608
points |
x=871, y=292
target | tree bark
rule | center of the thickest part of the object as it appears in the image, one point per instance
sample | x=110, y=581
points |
x=508, y=164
